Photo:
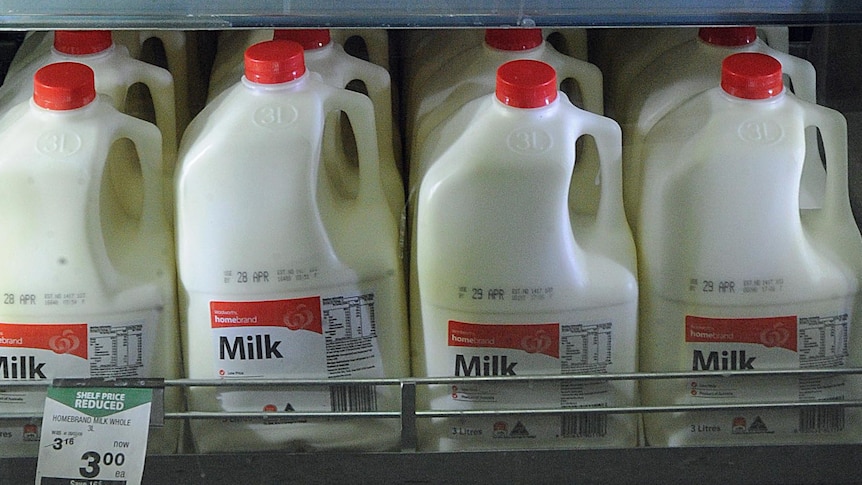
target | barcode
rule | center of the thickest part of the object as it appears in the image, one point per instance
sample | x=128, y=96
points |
x=821, y=420
x=585, y=425
x=353, y=398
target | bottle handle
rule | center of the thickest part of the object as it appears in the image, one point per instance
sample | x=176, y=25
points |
x=833, y=130
x=379, y=85
x=802, y=76
x=376, y=43
x=587, y=76
x=610, y=223
x=177, y=45
x=147, y=139
x=360, y=112
x=159, y=81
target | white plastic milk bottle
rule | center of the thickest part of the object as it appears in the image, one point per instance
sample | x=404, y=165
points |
x=688, y=69
x=281, y=275
x=176, y=46
x=232, y=44
x=623, y=53
x=511, y=284
x=472, y=74
x=736, y=277
x=339, y=69
x=424, y=51
x=89, y=291
x=116, y=72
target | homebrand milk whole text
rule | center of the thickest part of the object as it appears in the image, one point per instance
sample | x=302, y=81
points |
x=281, y=275
x=88, y=288
x=736, y=277
x=510, y=283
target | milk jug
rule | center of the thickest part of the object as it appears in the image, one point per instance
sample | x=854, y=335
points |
x=471, y=74
x=339, y=69
x=510, y=283
x=424, y=51
x=88, y=289
x=272, y=255
x=116, y=71
x=232, y=44
x=176, y=46
x=735, y=276
x=623, y=53
x=688, y=69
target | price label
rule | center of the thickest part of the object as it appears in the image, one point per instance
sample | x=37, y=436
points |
x=94, y=435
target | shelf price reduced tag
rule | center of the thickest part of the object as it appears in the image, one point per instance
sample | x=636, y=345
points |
x=94, y=435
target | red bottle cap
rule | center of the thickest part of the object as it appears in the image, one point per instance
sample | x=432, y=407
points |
x=515, y=39
x=728, y=36
x=82, y=42
x=309, y=39
x=526, y=84
x=274, y=62
x=64, y=86
x=751, y=75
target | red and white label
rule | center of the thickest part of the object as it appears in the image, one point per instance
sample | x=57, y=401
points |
x=533, y=338
x=293, y=314
x=61, y=339
x=770, y=332
x=327, y=336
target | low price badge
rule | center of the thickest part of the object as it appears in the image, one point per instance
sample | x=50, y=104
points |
x=94, y=435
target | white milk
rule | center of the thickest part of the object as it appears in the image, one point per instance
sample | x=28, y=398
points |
x=734, y=276
x=510, y=283
x=115, y=67
x=690, y=68
x=116, y=73
x=179, y=50
x=89, y=291
x=270, y=252
x=232, y=44
x=339, y=69
x=471, y=74
x=424, y=51
x=622, y=53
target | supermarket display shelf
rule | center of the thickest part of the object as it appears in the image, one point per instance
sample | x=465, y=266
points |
x=786, y=465
x=219, y=14
x=792, y=464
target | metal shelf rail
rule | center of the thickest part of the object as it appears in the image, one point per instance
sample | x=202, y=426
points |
x=766, y=464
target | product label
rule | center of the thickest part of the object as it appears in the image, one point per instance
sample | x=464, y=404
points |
x=118, y=347
x=308, y=337
x=782, y=342
x=94, y=436
x=482, y=349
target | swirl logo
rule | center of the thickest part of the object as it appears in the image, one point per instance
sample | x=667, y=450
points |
x=65, y=343
x=539, y=342
x=300, y=319
x=776, y=336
